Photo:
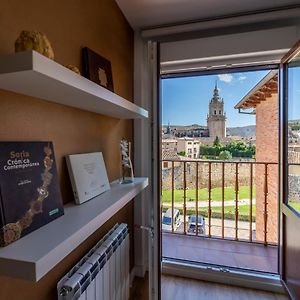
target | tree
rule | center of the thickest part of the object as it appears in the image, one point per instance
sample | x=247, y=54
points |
x=234, y=148
x=203, y=150
x=225, y=154
x=181, y=153
x=217, y=142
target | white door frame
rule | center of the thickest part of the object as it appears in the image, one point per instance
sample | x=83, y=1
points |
x=146, y=149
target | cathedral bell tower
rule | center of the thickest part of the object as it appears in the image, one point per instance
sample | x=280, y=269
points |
x=216, y=117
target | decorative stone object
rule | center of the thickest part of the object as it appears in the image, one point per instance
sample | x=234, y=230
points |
x=73, y=68
x=34, y=40
x=126, y=164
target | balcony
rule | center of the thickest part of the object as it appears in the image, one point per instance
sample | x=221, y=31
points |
x=221, y=212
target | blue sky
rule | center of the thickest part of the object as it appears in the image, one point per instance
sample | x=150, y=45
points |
x=185, y=100
x=294, y=93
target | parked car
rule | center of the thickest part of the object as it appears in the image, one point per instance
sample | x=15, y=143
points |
x=167, y=220
x=192, y=224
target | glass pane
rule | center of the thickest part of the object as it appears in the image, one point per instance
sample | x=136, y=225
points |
x=294, y=133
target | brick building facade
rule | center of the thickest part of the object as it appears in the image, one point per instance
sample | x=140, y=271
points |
x=267, y=151
x=264, y=99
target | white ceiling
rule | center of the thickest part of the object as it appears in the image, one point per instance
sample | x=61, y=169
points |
x=153, y=13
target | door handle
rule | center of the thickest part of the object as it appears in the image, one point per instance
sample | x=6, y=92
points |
x=147, y=228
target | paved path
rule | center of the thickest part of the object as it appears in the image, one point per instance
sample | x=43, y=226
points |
x=212, y=203
x=229, y=228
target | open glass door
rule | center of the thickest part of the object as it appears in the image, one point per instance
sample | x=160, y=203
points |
x=155, y=239
x=290, y=171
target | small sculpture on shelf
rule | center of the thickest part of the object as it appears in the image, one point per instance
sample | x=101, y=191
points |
x=34, y=40
x=73, y=68
x=126, y=164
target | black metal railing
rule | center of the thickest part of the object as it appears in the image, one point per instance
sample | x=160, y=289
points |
x=184, y=182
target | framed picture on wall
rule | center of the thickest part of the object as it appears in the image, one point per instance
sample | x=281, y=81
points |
x=97, y=68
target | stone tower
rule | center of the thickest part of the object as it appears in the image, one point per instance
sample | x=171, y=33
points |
x=216, y=117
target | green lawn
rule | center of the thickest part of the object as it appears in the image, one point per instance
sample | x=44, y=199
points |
x=216, y=194
x=229, y=212
x=243, y=209
x=295, y=205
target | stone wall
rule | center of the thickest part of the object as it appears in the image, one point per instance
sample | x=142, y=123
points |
x=294, y=188
x=203, y=175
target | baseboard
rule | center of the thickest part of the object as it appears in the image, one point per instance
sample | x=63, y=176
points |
x=252, y=280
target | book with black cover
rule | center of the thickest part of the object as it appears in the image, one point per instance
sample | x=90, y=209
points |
x=29, y=190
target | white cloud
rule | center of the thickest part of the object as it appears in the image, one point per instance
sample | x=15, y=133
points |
x=225, y=77
x=242, y=77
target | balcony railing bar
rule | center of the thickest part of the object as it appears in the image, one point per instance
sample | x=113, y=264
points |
x=173, y=179
x=220, y=161
x=236, y=200
x=209, y=199
x=237, y=230
x=197, y=196
x=266, y=204
x=251, y=202
x=184, y=195
x=223, y=198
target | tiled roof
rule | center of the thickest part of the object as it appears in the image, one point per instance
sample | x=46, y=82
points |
x=263, y=90
x=169, y=154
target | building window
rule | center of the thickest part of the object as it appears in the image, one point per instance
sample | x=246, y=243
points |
x=189, y=143
x=215, y=112
x=195, y=149
x=189, y=150
x=220, y=112
x=165, y=164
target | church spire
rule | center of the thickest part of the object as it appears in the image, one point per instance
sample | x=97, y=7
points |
x=216, y=118
x=216, y=96
x=168, y=128
x=216, y=90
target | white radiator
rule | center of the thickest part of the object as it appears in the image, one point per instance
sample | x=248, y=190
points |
x=103, y=273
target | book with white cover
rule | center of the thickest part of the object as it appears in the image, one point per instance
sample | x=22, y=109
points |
x=88, y=175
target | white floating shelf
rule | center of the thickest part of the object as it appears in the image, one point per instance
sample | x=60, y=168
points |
x=34, y=255
x=30, y=73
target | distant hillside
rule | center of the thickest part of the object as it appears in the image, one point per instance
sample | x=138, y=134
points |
x=294, y=125
x=245, y=131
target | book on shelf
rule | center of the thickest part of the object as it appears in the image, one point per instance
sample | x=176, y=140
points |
x=88, y=175
x=29, y=191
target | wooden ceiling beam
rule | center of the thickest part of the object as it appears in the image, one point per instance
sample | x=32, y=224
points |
x=248, y=105
x=272, y=85
x=254, y=98
x=260, y=95
x=266, y=91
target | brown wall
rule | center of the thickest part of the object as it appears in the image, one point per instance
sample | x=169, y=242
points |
x=267, y=151
x=69, y=25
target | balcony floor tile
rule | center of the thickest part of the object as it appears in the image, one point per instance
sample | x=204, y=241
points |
x=221, y=252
